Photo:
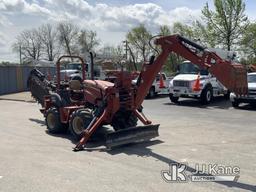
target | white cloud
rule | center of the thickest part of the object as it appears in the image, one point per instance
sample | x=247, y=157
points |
x=22, y=6
x=4, y=21
x=117, y=18
x=101, y=17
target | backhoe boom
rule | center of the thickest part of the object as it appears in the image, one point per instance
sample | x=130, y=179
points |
x=232, y=75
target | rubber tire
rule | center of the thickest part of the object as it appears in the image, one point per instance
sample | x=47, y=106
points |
x=57, y=126
x=235, y=104
x=204, y=95
x=151, y=93
x=85, y=115
x=227, y=95
x=124, y=121
x=173, y=99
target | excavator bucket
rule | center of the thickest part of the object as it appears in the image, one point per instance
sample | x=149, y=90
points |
x=131, y=135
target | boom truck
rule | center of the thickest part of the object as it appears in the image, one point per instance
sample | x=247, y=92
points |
x=119, y=103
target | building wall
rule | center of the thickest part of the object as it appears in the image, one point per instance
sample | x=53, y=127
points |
x=14, y=78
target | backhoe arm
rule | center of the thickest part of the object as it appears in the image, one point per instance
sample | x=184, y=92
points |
x=232, y=76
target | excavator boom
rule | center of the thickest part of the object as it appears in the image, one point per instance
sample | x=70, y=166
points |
x=232, y=75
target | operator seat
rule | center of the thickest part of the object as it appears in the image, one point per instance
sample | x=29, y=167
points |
x=76, y=91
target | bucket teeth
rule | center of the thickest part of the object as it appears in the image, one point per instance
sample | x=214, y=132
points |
x=131, y=135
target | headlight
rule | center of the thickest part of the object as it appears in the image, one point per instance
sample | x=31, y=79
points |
x=171, y=84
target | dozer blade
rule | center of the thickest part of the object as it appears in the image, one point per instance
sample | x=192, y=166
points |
x=131, y=135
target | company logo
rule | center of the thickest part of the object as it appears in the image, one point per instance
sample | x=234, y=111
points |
x=201, y=173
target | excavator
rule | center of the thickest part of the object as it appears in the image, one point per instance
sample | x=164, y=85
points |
x=119, y=103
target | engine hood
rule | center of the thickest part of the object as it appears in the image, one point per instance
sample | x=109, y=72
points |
x=186, y=77
x=69, y=71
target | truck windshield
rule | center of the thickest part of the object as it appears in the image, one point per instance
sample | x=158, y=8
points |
x=76, y=66
x=251, y=78
x=190, y=68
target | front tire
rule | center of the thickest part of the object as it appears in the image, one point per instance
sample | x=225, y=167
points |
x=79, y=121
x=174, y=99
x=53, y=122
x=235, y=104
x=206, y=95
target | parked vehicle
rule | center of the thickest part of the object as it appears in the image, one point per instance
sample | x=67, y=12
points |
x=251, y=97
x=182, y=84
x=71, y=71
x=74, y=71
x=159, y=87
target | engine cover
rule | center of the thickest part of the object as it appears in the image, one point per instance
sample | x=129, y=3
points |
x=96, y=90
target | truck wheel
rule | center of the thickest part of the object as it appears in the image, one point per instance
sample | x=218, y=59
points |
x=123, y=121
x=79, y=120
x=235, y=104
x=227, y=95
x=206, y=95
x=173, y=99
x=52, y=120
x=152, y=92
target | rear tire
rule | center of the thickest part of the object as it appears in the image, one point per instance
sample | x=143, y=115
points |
x=52, y=120
x=206, y=95
x=79, y=121
x=151, y=93
x=235, y=104
x=123, y=120
x=174, y=99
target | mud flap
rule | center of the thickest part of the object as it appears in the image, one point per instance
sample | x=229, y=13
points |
x=131, y=135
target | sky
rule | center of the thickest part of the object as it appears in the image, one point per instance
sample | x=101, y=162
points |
x=111, y=19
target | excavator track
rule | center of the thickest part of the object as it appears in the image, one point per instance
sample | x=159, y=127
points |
x=39, y=86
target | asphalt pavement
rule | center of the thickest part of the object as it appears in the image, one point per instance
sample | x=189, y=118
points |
x=31, y=159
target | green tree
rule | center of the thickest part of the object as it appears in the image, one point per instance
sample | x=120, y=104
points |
x=173, y=60
x=248, y=43
x=184, y=30
x=138, y=39
x=227, y=22
x=164, y=30
x=205, y=34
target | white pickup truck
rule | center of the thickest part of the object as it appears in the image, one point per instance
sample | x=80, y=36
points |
x=251, y=97
x=73, y=71
x=182, y=84
x=156, y=87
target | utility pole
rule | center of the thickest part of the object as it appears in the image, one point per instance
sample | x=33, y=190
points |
x=126, y=49
x=20, y=53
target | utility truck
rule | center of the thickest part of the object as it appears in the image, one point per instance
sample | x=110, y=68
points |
x=182, y=85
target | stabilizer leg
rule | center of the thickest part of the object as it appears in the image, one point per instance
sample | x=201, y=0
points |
x=95, y=123
x=142, y=117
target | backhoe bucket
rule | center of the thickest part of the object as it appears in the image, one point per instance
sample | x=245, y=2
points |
x=131, y=135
